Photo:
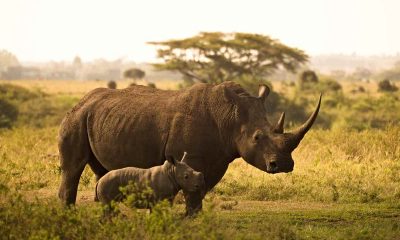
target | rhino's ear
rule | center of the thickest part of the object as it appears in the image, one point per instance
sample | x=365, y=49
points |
x=263, y=91
x=233, y=98
x=230, y=96
x=171, y=160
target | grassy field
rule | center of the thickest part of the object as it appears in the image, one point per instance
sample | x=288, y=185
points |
x=346, y=185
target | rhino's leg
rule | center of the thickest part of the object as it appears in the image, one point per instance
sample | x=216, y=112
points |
x=194, y=203
x=69, y=184
x=74, y=155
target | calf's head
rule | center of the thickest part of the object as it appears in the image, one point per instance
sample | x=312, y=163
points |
x=263, y=145
x=187, y=178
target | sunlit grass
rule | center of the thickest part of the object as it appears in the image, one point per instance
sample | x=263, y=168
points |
x=345, y=185
x=79, y=88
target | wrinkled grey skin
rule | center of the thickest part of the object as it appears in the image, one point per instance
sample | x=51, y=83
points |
x=138, y=126
x=165, y=181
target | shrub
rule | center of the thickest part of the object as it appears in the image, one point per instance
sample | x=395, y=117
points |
x=152, y=85
x=20, y=106
x=16, y=93
x=330, y=85
x=308, y=76
x=8, y=113
x=386, y=86
x=112, y=84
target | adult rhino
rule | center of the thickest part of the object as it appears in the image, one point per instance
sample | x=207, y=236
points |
x=139, y=126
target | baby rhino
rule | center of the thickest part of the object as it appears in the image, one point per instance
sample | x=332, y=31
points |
x=165, y=181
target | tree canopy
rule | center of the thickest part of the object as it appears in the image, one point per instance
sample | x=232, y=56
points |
x=215, y=57
x=7, y=59
x=134, y=73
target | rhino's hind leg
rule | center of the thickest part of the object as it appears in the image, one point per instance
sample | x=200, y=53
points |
x=74, y=155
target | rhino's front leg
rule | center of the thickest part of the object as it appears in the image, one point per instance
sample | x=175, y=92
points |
x=194, y=202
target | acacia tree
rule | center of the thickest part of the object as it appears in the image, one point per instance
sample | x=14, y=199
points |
x=215, y=57
x=134, y=73
x=7, y=59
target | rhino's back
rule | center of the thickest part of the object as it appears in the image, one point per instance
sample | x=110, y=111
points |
x=108, y=187
x=130, y=126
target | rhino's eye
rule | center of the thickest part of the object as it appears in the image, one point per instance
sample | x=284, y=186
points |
x=258, y=135
x=186, y=176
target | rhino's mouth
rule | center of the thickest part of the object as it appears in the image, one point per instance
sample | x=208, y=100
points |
x=272, y=167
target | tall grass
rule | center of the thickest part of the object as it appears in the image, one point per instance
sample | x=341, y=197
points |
x=336, y=166
x=330, y=166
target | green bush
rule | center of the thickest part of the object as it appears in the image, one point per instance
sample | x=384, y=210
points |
x=112, y=84
x=365, y=113
x=152, y=85
x=22, y=107
x=8, y=113
x=307, y=78
x=17, y=93
x=47, y=219
x=386, y=86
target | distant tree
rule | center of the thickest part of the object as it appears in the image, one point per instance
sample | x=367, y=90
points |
x=309, y=81
x=386, y=86
x=134, y=73
x=307, y=78
x=77, y=63
x=215, y=57
x=112, y=84
x=152, y=85
x=7, y=59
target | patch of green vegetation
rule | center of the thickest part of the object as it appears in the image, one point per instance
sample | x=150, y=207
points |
x=337, y=221
x=46, y=219
x=32, y=108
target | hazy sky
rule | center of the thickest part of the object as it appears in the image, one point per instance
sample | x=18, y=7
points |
x=41, y=30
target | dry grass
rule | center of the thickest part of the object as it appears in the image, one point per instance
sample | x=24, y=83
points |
x=346, y=185
x=79, y=88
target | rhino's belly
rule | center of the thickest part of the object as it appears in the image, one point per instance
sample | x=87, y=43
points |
x=114, y=154
x=119, y=142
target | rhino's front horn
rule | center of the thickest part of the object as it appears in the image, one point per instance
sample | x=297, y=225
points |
x=297, y=135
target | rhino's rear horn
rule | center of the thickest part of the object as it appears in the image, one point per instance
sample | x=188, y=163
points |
x=279, y=125
x=297, y=135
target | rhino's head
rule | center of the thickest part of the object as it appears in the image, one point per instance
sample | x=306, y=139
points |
x=186, y=177
x=261, y=144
